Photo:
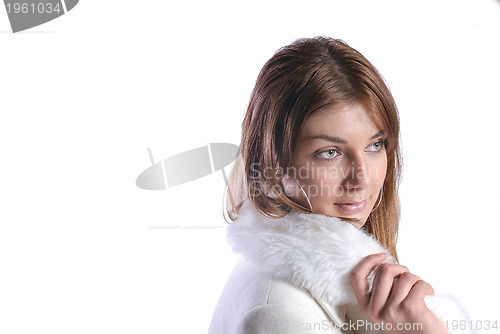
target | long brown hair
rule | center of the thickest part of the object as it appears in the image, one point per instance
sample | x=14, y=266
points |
x=298, y=80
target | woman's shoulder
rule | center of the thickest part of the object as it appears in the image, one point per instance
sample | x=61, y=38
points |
x=264, y=288
x=253, y=297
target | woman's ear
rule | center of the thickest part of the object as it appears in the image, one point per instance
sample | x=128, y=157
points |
x=290, y=187
x=295, y=192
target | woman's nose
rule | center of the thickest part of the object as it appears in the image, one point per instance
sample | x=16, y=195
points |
x=356, y=176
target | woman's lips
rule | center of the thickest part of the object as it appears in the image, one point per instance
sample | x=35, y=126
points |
x=352, y=208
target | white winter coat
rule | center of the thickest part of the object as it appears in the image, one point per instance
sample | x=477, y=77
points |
x=293, y=277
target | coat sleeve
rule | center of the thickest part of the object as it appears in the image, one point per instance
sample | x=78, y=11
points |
x=283, y=318
x=449, y=310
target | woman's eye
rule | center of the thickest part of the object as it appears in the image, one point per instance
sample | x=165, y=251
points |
x=328, y=154
x=378, y=145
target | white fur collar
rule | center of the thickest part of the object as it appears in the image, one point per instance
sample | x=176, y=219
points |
x=315, y=252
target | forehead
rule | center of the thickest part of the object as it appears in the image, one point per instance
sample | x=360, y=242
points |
x=342, y=120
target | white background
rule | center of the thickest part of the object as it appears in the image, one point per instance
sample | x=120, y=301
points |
x=83, y=97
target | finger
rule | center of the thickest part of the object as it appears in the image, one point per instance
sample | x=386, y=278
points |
x=360, y=272
x=382, y=285
x=402, y=288
x=417, y=293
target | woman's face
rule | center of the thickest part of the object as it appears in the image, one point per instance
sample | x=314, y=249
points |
x=340, y=162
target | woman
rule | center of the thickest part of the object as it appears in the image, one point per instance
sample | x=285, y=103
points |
x=314, y=200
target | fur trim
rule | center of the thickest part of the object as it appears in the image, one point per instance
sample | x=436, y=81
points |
x=315, y=252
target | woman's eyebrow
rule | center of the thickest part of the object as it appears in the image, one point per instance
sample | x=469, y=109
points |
x=340, y=140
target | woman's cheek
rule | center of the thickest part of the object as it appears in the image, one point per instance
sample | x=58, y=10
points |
x=324, y=188
x=380, y=169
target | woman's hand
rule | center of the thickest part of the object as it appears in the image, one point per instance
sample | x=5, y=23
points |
x=397, y=296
